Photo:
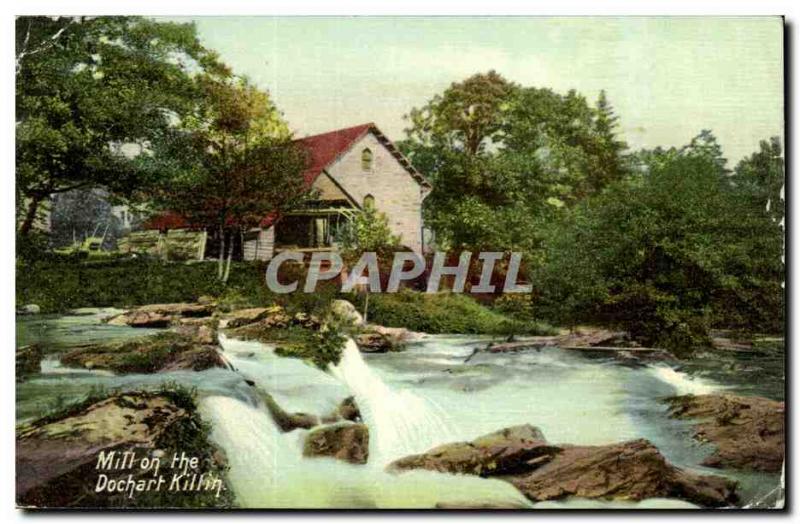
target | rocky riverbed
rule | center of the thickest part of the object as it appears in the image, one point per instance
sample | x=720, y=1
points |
x=409, y=422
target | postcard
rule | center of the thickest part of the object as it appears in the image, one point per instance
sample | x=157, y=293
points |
x=431, y=263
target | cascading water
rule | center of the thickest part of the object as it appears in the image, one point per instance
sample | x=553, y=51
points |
x=401, y=423
x=683, y=383
x=411, y=401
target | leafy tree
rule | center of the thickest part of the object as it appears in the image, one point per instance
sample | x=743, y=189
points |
x=653, y=253
x=368, y=231
x=87, y=86
x=229, y=165
x=504, y=159
x=467, y=117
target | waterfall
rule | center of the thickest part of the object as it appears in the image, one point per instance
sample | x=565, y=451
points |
x=683, y=383
x=400, y=422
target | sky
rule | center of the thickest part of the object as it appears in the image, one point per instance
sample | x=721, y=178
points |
x=667, y=77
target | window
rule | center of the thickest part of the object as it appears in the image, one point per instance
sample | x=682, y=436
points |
x=366, y=160
x=369, y=202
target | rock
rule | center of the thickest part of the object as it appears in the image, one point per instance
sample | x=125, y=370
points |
x=748, y=432
x=195, y=360
x=160, y=315
x=57, y=456
x=346, y=312
x=241, y=317
x=346, y=410
x=276, y=318
x=50, y=449
x=169, y=351
x=207, y=300
x=589, y=337
x=633, y=470
x=29, y=309
x=306, y=321
x=28, y=360
x=381, y=339
x=343, y=441
x=286, y=421
x=374, y=343
x=505, y=451
x=199, y=332
x=521, y=456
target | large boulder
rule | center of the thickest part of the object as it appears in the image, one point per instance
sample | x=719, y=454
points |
x=505, y=451
x=520, y=455
x=748, y=432
x=162, y=352
x=345, y=312
x=160, y=315
x=57, y=456
x=344, y=441
x=633, y=470
x=49, y=449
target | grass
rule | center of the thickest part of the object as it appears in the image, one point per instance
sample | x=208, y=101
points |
x=318, y=347
x=445, y=313
x=58, y=285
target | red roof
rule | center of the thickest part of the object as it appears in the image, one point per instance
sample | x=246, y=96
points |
x=324, y=149
x=167, y=220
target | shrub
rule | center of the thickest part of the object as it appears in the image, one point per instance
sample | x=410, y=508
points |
x=444, y=313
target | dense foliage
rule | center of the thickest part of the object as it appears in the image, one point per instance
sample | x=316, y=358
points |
x=86, y=87
x=504, y=159
x=668, y=253
x=445, y=313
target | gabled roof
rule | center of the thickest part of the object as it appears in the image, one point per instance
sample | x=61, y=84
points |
x=326, y=148
x=323, y=150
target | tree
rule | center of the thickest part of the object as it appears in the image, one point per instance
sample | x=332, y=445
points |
x=367, y=231
x=654, y=253
x=467, y=117
x=504, y=159
x=86, y=87
x=229, y=165
x=610, y=161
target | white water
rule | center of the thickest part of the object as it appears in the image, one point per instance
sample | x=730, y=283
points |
x=401, y=423
x=411, y=401
x=683, y=383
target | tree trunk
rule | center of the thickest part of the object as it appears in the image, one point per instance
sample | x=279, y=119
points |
x=221, y=257
x=30, y=215
x=230, y=257
x=366, y=305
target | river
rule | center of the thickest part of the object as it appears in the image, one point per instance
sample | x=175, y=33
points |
x=412, y=401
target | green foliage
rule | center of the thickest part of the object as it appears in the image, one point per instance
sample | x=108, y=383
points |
x=445, y=313
x=87, y=85
x=653, y=253
x=504, y=159
x=320, y=348
x=368, y=231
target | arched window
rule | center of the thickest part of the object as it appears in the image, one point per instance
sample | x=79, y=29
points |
x=369, y=202
x=366, y=160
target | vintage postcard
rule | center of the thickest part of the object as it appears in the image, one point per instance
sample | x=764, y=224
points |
x=440, y=263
